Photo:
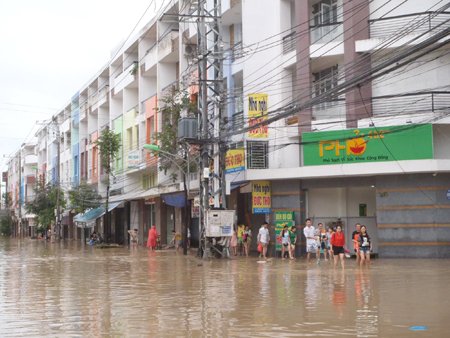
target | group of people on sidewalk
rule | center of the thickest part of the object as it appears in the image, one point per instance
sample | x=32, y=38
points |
x=327, y=242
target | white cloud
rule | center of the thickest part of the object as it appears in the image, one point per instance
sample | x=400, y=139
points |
x=50, y=48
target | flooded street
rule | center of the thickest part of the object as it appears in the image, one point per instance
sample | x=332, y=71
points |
x=66, y=290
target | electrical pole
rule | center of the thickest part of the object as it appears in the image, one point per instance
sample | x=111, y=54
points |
x=20, y=194
x=210, y=71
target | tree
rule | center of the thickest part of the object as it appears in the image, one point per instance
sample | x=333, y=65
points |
x=44, y=204
x=109, y=146
x=7, y=199
x=6, y=226
x=172, y=105
x=84, y=197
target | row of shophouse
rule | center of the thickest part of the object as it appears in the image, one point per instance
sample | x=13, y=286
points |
x=377, y=154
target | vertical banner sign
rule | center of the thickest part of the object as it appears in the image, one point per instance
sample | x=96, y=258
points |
x=257, y=113
x=281, y=219
x=234, y=161
x=261, y=197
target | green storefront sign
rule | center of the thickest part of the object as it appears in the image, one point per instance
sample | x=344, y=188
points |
x=409, y=142
x=282, y=218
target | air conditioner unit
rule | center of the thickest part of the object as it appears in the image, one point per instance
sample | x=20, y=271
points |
x=187, y=128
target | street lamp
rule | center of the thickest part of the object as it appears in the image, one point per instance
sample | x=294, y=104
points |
x=186, y=185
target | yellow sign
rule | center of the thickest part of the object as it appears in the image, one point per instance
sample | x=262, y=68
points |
x=261, y=197
x=234, y=160
x=257, y=113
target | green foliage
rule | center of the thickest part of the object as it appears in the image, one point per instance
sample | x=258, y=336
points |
x=109, y=146
x=83, y=197
x=6, y=226
x=44, y=203
x=7, y=198
x=172, y=105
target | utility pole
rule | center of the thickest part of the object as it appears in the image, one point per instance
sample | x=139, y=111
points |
x=20, y=194
x=210, y=70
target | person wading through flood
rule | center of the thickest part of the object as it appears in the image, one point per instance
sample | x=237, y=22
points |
x=311, y=243
x=338, y=243
x=293, y=236
x=285, y=242
x=133, y=238
x=355, y=239
x=365, y=246
x=152, y=238
x=264, y=238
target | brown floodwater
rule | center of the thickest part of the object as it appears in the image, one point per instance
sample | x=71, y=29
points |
x=60, y=290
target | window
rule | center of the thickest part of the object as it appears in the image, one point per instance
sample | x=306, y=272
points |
x=149, y=181
x=257, y=152
x=325, y=13
x=325, y=80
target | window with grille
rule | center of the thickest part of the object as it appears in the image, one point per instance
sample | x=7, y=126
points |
x=257, y=152
x=325, y=81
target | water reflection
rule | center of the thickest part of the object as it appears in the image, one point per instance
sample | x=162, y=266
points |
x=64, y=290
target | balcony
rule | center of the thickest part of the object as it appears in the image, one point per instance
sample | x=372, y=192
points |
x=151, y=58
x=436, y=102
x=83, y=110
x=30, y=159
x=413, y=24
x=403, y=29
x=103, y=96
x=168, y=46
x=329, y=110
x=326, y=33
x=126, y=78
x=289, y=43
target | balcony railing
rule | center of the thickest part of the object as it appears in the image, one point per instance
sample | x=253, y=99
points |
x=289, y=43
x=435, y=102
x=168, y=43
x=329, y=109
x=426, y=102
x=327, y=32
x=412, y=24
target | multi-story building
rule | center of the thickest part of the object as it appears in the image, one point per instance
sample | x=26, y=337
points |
x=374, y=153
x=21, y=180
x=344, y=144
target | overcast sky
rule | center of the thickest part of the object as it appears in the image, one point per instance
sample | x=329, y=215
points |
x=51, y=48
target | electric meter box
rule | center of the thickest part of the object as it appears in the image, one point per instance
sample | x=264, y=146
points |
x=219, y=223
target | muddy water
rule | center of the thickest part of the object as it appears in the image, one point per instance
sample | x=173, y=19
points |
x=66, y=290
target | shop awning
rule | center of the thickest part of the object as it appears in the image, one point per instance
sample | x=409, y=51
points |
x=87, y=219
x=177, y=199
x=235, y=185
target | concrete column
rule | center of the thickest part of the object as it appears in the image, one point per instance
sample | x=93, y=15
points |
x=356, y=27
x=303, y=71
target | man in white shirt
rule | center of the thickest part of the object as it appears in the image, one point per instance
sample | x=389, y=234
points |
x=310, y=234
x=264, y=238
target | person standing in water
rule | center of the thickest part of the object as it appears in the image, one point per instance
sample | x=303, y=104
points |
x=311, y=243
x=152, y=238
x=285, y=242
x=365, y=246
x=338, y=243
x=264, y=238
x=133, y=238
